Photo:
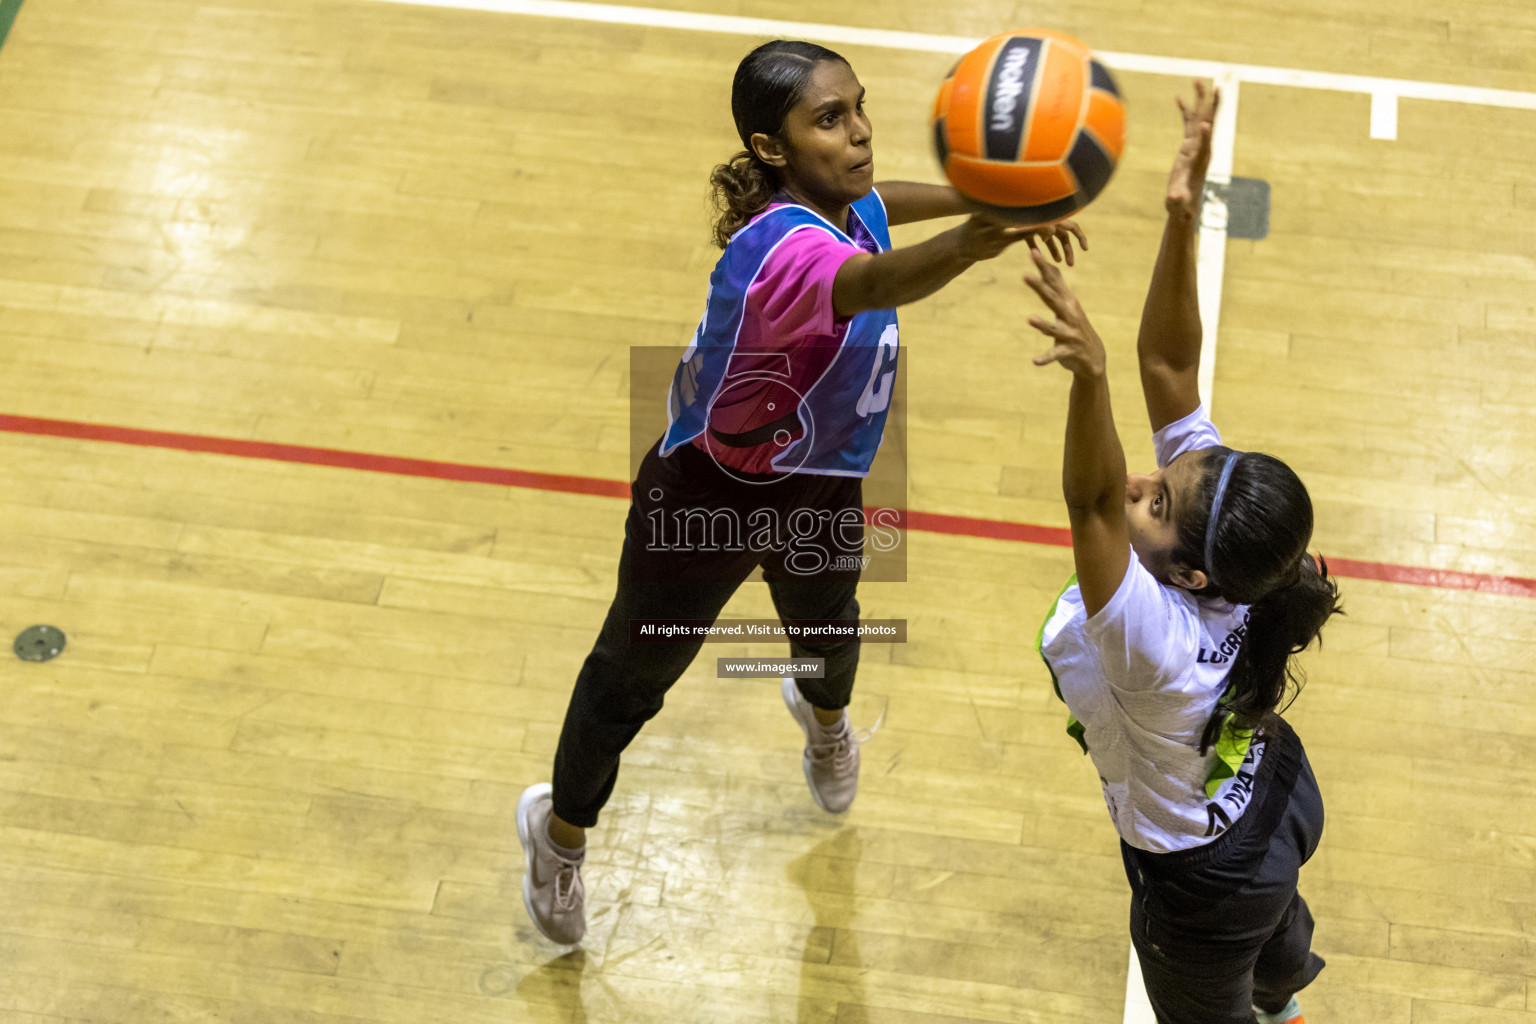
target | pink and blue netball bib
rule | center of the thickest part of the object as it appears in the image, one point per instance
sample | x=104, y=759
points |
x=839, y=398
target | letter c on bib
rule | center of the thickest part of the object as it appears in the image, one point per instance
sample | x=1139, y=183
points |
x=882, y=375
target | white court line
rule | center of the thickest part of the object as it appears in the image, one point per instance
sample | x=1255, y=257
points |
x=1383, y=115
x=1138, y=1008
x=1150, y=63
x=1384, y=93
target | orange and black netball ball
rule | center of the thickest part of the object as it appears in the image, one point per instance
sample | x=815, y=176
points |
x=1029, y=125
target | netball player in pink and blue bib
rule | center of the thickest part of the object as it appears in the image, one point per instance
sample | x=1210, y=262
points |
x=1171, y=648
x=774, y=417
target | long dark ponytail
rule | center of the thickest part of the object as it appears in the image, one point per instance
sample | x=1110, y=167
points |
x=1253, y=551
x=769, y=82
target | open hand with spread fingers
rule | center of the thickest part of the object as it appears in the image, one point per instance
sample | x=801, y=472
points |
x=1057, y=238
x=1076, y=345
x=1186, y=182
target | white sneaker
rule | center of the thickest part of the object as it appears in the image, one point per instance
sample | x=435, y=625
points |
x=552, y=888
x=831, y=759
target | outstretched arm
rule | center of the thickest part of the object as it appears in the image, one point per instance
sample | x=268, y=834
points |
x=895, y=278
x=1093, y=466
x=1168, y=344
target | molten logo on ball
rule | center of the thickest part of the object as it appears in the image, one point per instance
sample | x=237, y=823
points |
x=1010, y=83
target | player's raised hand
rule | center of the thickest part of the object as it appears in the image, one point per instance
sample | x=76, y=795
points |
x=1186, y=182
x=1075, y=344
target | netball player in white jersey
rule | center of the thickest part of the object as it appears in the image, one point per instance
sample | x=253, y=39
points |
x=1172, y=649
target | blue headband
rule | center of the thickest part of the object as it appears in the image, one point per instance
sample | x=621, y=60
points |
x=1210, y=525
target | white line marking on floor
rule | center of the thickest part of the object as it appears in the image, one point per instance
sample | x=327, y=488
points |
x=1258, y=74
x=1383, y=115
x=1138, y=1008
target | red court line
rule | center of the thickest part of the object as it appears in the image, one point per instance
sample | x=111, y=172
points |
x=316, y=456
x=1448, y=579
x=928, y=522
x=991, y=529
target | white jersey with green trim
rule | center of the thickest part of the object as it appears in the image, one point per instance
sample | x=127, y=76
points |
x=1143, y=677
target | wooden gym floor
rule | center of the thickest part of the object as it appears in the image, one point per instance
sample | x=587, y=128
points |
x=271, y=779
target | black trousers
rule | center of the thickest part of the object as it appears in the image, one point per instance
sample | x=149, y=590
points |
x=694, y=533
x=1221, y=929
